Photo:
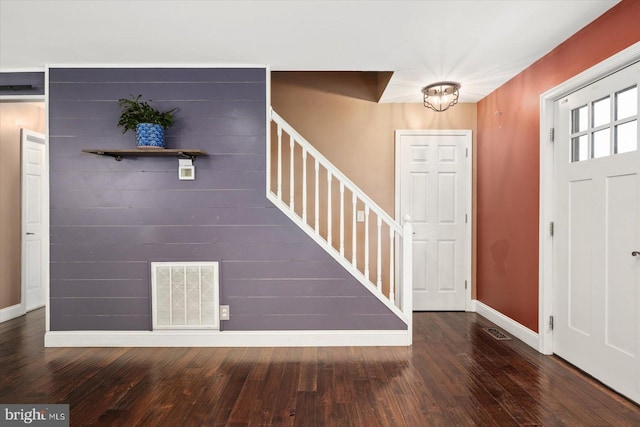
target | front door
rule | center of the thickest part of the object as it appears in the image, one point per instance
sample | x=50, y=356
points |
x=596, y=273
x=33, y=215
x=433, y=169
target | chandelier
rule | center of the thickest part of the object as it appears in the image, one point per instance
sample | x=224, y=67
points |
x=441, y=96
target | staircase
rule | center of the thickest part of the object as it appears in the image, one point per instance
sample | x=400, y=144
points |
x=340, y=217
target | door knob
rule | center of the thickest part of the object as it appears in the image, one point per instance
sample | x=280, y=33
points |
x=635, y=253
x=30, y=234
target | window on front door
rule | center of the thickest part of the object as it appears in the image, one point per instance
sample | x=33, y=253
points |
x=605, y=126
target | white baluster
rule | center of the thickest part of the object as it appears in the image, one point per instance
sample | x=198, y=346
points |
x=329, y=207
x=317, y=199
x=379, y=256
x=341, y=219
x=392, y=294
x=407, y=266
x=354, y=259
x=304, y=184
x=366, y=242
x=279, y=163
x=291, y=174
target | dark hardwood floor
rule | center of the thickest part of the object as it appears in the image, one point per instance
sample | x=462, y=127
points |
x=455, y=374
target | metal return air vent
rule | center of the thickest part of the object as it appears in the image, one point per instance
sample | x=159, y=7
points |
x=497, y=334
x=185, y=295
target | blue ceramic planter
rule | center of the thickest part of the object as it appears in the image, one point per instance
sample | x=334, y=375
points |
x=149, y=135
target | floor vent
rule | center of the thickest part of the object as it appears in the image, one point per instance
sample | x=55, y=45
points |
x=497, y=334
x=185, y=295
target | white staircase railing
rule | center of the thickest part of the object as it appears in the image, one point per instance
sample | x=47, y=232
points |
x=342, y=218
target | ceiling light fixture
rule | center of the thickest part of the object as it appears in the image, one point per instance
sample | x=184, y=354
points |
x=441, y=96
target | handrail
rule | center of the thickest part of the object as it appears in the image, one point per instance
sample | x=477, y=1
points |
x=336, y=172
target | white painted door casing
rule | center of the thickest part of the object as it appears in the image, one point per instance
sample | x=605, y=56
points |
x=433, y=187
x=546, y=212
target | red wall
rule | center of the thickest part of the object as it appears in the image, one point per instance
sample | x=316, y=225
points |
x=508, y=163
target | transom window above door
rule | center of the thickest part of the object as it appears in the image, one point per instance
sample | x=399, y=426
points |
x=605, y=126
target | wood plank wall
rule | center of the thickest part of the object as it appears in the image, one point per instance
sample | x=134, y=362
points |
x=110, y=219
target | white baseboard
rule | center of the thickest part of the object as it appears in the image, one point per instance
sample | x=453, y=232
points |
x=11, y=312
x=225, y=338
x=471, y=306
x=509, y=325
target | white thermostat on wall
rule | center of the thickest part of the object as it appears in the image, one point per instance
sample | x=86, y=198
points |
x=186, y=170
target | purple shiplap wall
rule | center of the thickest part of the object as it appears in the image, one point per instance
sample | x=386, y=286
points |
x=110, y=219
x=35, y=79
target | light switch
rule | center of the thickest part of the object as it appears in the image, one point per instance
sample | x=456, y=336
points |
x=360, y=216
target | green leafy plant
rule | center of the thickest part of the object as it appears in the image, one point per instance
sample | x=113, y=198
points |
x=135, y=111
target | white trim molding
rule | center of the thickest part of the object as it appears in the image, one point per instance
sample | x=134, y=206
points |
x=199, y=338
x=47, y=206
x=22, y=98
x=143, y=65
x=22, y=70
x=545, y=270
x=514, y=328
x=11, y=312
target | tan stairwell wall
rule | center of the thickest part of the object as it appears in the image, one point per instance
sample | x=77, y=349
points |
x=356, y=134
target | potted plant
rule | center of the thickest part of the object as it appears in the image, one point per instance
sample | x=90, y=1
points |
x=148, y=122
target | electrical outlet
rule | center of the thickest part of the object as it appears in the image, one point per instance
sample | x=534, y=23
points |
x=360, y=217
x=224, y=312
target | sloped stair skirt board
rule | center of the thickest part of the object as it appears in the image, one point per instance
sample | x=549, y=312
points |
x=171, y=338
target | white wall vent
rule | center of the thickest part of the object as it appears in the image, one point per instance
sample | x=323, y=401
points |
x=185, y=295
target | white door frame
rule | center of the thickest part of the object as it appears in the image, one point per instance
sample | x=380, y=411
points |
x=45, y=206
x=546, y=214
x=23, y=219
x=468, y=194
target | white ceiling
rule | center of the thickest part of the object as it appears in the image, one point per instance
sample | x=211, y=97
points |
x=481, y=44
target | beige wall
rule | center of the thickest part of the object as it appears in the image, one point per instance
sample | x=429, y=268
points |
x=13, y=116
x=356, y=134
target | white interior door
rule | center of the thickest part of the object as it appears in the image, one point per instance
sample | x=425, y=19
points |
x=433, y=169
x=33, y=216
x=596, y=273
